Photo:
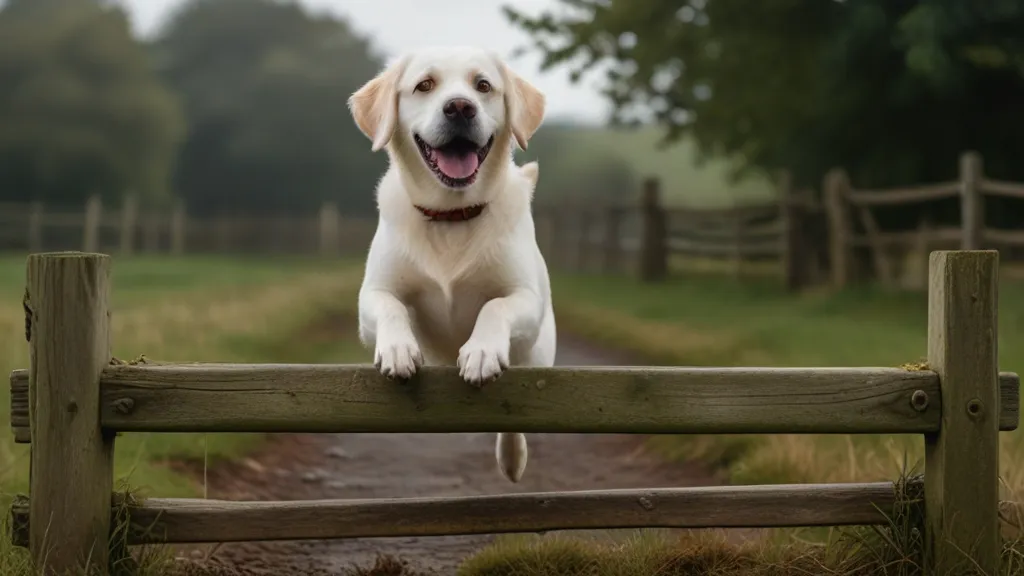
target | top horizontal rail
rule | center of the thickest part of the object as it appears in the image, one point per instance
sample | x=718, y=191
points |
x=646, y=400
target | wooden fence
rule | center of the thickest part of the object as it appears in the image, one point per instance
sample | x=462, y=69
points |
x=74, y=398
x=130, y=229
x=888, y=249
x=647, y=238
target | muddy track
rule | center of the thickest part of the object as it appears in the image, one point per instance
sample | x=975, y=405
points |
x=401, y=465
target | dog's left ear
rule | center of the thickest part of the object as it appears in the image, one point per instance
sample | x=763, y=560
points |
x=375, y=106
x=525, y=106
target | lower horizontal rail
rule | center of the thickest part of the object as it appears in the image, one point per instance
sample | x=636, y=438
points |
x=194, y=521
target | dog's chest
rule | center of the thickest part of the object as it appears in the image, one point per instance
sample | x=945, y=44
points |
x=444, y=316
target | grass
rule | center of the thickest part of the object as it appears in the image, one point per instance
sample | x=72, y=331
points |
x=198, y=309
x=713, y=321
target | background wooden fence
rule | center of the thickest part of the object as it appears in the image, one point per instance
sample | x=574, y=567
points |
x=804, y=241
x=644, y=238
x=853, y=225
x=127, y=229
x=78, y=398
x=649, y=238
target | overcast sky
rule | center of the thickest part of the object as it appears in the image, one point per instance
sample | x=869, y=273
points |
x=399, y=25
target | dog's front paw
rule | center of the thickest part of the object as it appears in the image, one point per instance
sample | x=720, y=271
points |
x=481, y=361
x=398, y=358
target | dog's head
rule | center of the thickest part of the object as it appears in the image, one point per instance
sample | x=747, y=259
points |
x=445, y=113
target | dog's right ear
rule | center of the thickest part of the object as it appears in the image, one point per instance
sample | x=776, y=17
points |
x=375, y=106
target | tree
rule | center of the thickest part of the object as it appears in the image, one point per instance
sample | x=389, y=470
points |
x=893, y=90
x=81, y=110
x=265, y=86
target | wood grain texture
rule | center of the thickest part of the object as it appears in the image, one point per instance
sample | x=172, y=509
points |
x=962, y=458
x=19, y=407
x=312, y=398
x=194, y=520
x=71, y=476
x=334, y=398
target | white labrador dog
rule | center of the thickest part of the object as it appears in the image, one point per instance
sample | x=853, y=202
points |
x=454, y=274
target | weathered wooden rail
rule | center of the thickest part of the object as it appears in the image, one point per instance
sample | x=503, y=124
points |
x=72, y=401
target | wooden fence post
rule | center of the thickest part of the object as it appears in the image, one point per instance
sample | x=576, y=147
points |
x=329, y=229
x=178, y=228
x=129, y=223
x=91, y=227
x=72, y=468
x=35, y=228
x=972, y=203
x=962, y=459
x=837, y=184
x=653, y=241
x=612, y=261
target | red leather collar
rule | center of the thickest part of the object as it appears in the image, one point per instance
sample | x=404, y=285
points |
x=457, y=215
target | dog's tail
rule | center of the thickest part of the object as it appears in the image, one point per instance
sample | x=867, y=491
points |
x=510, y=450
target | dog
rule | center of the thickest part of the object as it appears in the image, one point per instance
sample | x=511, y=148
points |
x=454, y=275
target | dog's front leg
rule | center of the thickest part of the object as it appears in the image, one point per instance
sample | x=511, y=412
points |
x=384, y=324
x=502, y=320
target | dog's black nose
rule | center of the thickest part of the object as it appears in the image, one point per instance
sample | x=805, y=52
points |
x=459, y=108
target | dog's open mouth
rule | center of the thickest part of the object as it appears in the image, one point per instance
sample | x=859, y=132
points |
x=456, y=163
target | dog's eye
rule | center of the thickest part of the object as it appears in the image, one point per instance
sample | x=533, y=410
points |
x=425, y=86
x=483, y=86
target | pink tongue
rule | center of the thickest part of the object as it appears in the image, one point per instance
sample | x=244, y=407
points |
x=458, y=165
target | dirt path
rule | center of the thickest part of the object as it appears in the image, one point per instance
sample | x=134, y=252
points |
x=402, y=465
